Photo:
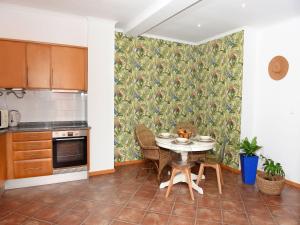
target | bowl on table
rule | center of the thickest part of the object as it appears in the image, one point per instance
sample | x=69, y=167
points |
x=205, y=137
x=165, y=135
x=182, y=140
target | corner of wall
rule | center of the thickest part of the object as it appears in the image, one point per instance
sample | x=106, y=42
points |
x=101, y=38
x=249, y=70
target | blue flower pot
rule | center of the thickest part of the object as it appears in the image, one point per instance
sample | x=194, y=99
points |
x=249, y=168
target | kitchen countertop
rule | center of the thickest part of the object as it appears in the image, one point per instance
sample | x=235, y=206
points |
x=47, y=126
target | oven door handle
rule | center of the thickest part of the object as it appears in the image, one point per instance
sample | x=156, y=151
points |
x=67, y=139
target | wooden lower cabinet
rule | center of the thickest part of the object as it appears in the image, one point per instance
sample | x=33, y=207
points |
x=33, y=168
x=31, y=136
x=2, y=161
x=30, y=154
x=35, y=154
x=31, y=145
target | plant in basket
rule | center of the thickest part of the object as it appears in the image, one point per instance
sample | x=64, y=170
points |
x=249, y=160
x=271, y=181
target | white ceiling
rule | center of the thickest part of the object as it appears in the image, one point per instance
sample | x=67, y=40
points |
x=176, y=19
x=122, y=11
x=219, y=16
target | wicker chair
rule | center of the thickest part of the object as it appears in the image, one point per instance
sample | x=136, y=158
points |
x=193, y=156
x=151, y=151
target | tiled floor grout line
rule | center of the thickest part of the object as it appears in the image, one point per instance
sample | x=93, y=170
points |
x=273, y=218
x=14, y=211
x=197, y=204
x=85, y=218
x=89, y=213
x=146, y=210
x=221, y=211
x=47, y=222
x=244, y=206
x=222, y=216
x=3, y=217
x=148, y=207
x=171, y=212
x=46, y=205
x=22, y=215
x=125, y=205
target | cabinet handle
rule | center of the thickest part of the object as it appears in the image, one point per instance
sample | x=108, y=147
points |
x=32, y=155
x=68, y=139
x=27, y=79
x=38, y=168
x=51, y=78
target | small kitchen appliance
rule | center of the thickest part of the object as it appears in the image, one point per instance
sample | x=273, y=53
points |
x=14, y=118
x=3, y=118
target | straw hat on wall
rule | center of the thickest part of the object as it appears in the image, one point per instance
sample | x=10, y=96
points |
x=278, y=67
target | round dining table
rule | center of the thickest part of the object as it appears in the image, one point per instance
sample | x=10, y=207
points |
x=195, y=145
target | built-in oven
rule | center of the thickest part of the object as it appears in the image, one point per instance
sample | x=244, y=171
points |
x=69, y=148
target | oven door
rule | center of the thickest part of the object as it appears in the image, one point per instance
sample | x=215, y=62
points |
x=69, y=151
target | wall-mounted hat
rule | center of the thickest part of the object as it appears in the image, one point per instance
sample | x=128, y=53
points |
x=278, y=67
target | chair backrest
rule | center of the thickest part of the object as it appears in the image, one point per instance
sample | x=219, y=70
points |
x=144, y=136
x=186, y=125
x=222, y=150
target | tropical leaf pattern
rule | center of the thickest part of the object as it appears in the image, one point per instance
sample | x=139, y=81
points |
x=160, y=83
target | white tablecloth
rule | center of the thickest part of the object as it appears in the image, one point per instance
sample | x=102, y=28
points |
x=195, y=146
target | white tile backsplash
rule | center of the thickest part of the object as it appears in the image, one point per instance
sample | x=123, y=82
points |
x=42, y=105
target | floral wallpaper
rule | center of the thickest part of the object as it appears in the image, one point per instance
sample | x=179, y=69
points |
x=160, y=83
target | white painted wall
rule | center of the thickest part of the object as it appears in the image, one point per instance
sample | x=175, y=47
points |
x=24, y=23
x=44, y=26
x=42, y=106
x=249, y=71
x=274, y=108
x=101, y=36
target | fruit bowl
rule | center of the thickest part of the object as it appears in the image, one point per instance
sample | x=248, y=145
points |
x=182, y=140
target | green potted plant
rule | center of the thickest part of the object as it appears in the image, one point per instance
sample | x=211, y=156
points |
x=249, y=160
x=271, y=181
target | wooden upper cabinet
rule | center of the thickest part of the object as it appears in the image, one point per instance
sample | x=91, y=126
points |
x=69, y=68
x=12, y=64
x=42, y=66
x=38, y=66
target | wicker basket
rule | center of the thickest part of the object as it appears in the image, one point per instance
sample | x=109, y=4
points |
x=269, y=187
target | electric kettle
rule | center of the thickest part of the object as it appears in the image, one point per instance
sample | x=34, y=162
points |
x=14, y=118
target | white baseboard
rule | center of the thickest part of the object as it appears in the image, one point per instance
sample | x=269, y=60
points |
x=52, y=179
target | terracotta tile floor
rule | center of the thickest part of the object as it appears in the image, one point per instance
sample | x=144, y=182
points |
x=123, y=199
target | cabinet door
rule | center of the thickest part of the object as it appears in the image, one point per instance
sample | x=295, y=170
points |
x=2, y=161
x=12, y=64
x=33, y=168
x=31, y=136
x=69, y=68
x=38, y=66
x=31, y=145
